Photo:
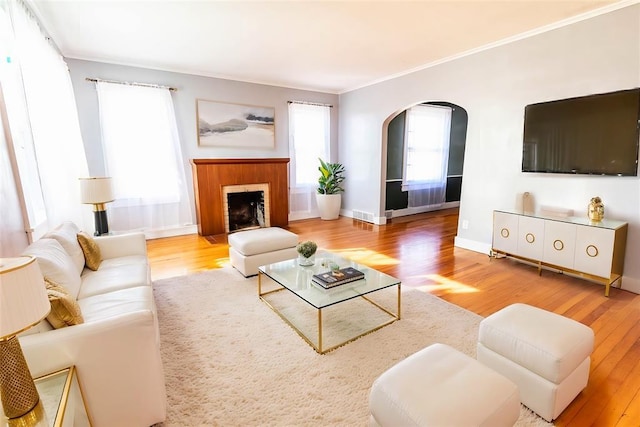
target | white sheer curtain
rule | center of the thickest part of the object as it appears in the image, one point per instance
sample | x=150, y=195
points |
x=52, y=115
x=309, y=139
x=143, y=156
x=426, y=154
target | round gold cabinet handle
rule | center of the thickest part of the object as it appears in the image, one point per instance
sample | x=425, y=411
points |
x=558, y=245
x=504, y=233
x=530, y=238
x=592, y=251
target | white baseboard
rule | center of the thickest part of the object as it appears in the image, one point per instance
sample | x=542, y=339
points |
x=472, y=245
x=380, y=220
x=631, y=284
x=297, y=216
x=422, y=209
x=170, y=232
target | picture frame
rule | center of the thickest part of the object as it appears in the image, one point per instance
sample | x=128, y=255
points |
x=223, y=124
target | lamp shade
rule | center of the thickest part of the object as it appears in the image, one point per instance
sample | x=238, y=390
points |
x=96, y=190
x=23, y=295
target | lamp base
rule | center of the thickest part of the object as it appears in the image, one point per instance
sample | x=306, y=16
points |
x=35, y=417
x=18, y=391
x=100, y=218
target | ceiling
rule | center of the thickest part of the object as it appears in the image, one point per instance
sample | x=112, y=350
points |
x=328, y=46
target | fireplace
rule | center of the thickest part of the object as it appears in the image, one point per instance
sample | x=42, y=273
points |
x=245, y=207
x=212, y=176
x=245, y=210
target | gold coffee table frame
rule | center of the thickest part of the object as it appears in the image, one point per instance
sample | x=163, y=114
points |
x=287, y=275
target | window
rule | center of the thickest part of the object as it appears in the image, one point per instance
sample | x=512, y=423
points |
x=426, y=154
x=143, y=157
x=309, y=139
x=309, y=136
x=48, y=152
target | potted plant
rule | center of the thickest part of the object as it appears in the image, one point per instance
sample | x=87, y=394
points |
x=306, y=252
x=329, y=188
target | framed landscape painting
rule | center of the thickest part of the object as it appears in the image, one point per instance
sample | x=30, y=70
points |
x=235, y=125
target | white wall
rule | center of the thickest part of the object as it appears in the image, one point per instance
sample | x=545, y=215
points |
x=190, y=88
x=600, y=54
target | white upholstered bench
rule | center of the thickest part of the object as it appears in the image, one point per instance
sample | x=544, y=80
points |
x=250, y=249
x=440, y=386
x=547, y=355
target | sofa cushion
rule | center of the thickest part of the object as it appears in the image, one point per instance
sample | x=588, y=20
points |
x=113, y=278
x=65, y=234
x=65, y=310
x=91, y=250
x=124, y=260
x=103, y=306
x=56, y=264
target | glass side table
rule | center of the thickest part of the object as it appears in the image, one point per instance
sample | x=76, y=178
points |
x=61, y=403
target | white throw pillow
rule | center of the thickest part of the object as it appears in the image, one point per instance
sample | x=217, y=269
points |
x=56, y=264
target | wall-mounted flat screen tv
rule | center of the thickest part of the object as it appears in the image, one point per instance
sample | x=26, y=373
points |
x=595, y=135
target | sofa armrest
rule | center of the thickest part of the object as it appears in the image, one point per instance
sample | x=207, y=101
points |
x=122, y=245
x=118, y=362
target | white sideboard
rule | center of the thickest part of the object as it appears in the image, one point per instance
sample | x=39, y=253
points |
x=593, y=250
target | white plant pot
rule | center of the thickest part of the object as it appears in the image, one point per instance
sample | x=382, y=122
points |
x=328, y=205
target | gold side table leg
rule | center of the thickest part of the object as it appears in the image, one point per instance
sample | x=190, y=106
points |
x=259, y=283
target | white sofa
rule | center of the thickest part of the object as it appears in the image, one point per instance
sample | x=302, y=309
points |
x=117, y=349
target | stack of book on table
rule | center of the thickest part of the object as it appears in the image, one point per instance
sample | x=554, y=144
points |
x=337, y=277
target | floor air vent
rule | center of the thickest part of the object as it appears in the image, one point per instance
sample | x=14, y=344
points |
x=363, y=216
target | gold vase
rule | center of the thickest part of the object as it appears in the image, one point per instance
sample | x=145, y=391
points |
x=595, y=211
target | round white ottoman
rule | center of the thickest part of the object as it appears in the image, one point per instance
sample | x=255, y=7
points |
x=547, y=355
x=440, y=386
x=250, y=249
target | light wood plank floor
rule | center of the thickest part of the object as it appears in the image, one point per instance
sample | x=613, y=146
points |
x=419, y=250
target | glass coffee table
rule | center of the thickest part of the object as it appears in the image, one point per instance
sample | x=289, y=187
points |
x=288, y=275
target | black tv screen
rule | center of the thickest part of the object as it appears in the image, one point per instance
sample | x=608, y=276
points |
x=595, y=134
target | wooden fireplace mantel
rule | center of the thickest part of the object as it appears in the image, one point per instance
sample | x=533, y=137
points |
x=210, y=175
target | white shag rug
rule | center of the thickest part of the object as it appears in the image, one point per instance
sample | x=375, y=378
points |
x=229, y=360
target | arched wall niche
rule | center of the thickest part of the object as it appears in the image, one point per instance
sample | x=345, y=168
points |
x=393, y=202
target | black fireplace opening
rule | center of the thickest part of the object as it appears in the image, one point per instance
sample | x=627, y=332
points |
x=246, y=210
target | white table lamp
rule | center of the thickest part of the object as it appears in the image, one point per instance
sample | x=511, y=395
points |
x=23, y=304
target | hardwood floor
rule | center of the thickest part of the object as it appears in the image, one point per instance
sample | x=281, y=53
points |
x=419, y=250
